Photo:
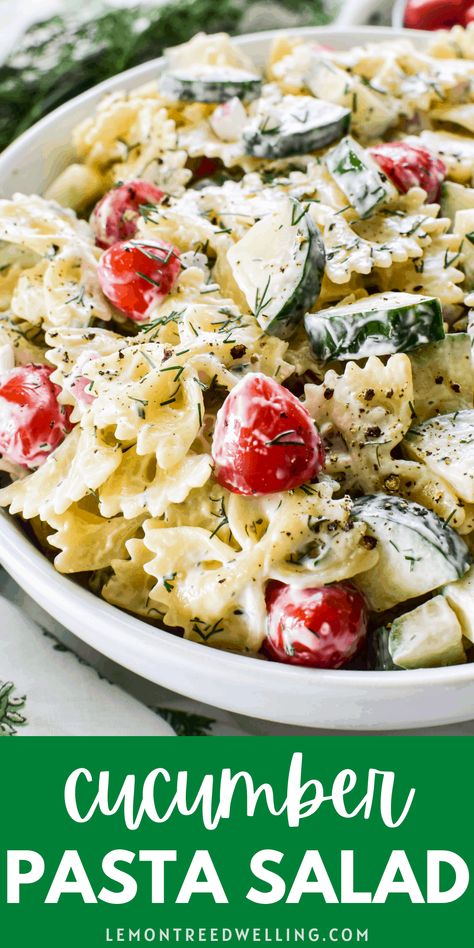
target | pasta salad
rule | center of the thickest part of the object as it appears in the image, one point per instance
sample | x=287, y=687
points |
x=236, y=383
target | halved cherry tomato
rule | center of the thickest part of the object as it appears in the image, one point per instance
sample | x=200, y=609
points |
x=134, y=275
x=409, y=166
x=205, y=168
x=32, y=423
x=116, y=215
x=264, y=440
x=434, y=14
x=321, y=628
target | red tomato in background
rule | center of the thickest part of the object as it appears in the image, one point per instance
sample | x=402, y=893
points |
x=434, y=14
x=264, y=440
x=322, y=627
x=116, y=215
x=409, y=166
x=32, y=423
x=469, y=15
x=134, y=276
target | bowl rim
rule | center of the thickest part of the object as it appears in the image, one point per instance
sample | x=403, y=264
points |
x=29, y=557
x=183, y=652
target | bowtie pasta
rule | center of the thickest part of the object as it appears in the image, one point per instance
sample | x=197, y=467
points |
x=236, y=383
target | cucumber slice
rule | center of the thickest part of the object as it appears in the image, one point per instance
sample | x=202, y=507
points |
x=279, y=266
x=442, y=376
x=446, y=445
x=378, y=654
x=428, y=637
x=377, y=325
x=454, y=198
x=464, y=227
x=207, y=83
x=297, y=125
x=417, y=550
x=460, y=596
x=359, y=177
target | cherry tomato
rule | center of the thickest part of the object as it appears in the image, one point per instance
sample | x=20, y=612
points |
x=434, y=14
x=205, y=168
x=32, y=423
x=320, y=628
x=134, y=275
x=116, y=215
x=409, y=166
x=264, y=440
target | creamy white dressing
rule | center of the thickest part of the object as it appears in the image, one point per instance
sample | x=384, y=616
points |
x=198, y=260
x=101, y=216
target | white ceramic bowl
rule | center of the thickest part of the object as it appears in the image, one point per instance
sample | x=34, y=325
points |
x=305, y=697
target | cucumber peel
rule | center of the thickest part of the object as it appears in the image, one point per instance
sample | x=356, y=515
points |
x=377, y=325
x=206, y=83
x=429, y=636
x=357, y=174
x=297, y=125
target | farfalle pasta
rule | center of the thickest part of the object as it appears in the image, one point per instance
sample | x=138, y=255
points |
x=258, y=376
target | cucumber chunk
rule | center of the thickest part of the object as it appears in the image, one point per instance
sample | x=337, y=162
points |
x=446, y=445
x=418, y=551
x=442, y=376
x=454, y=198
x=428, y=637
x=377, y=325
x=357, y=174
x=279, y=266
x=295, y=126
x=460, y=596
x=378, y=654
x=208, y=83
